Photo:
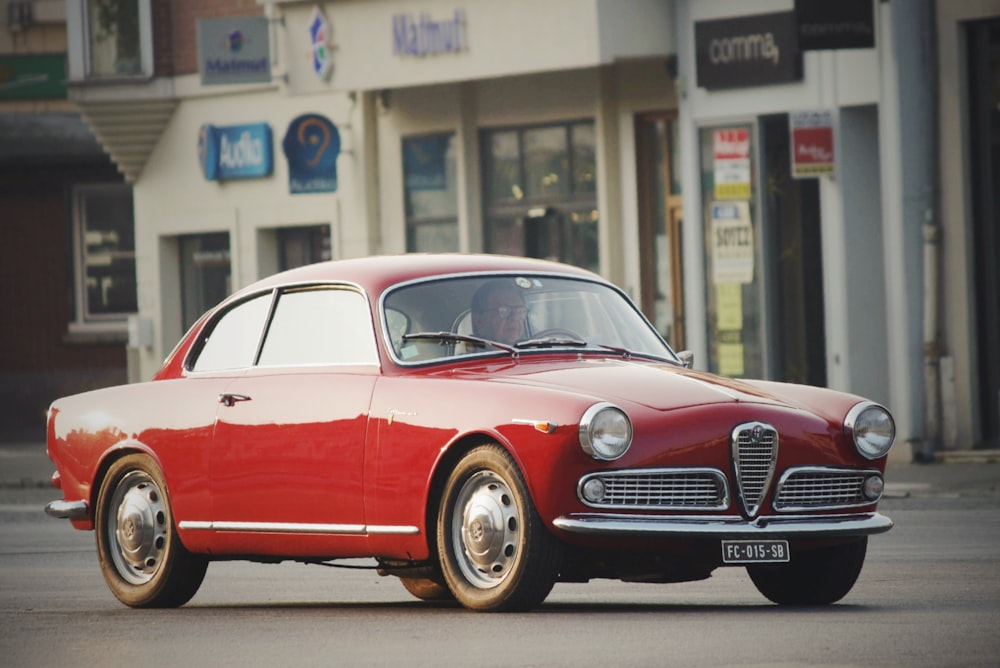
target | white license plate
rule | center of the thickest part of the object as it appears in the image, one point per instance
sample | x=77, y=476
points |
x=755, y=551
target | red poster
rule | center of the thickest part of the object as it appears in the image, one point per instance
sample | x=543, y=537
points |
x=812, y=144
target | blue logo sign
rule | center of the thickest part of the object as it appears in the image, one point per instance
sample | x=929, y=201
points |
x=312, y=144
x=235, y=151
x=319, y=37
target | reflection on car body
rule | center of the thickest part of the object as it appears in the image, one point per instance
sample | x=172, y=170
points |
x=363, y=408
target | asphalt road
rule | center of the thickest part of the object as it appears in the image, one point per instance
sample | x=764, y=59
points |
x=929, y=596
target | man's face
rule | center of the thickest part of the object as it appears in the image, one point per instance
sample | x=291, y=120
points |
x=503, y=318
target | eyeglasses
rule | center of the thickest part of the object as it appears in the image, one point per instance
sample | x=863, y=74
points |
x=508, y=311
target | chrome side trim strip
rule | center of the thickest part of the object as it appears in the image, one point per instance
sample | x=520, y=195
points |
x=727, y=526
x=295, y=527
x=68, y=510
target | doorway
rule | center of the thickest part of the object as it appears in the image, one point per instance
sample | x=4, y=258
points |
x=661, y=220
x=984, y=142
x=791, y=211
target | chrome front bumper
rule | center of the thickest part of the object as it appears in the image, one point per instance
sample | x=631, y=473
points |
x=68, y=510
x=798, y=526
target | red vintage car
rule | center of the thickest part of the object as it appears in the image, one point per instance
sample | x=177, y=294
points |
x=481, y=426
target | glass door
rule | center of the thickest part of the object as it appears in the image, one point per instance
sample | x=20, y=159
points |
x=660, y=222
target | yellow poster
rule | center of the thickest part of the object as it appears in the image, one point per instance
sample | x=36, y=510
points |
x=731, y=359
x=729, y=306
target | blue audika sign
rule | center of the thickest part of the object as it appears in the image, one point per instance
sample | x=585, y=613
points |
x=311, y=145
x=235, y=151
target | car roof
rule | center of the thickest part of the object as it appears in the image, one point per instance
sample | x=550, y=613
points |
x=376, y=273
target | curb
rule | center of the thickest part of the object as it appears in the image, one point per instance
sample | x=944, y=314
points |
x=967, y=456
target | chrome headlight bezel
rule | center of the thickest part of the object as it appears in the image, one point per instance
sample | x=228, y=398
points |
x=605, y=431
x=871, y=428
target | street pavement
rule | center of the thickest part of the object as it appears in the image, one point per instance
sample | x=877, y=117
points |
x=967, y=477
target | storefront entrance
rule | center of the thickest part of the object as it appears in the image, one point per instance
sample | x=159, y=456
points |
x=763, y=256
x=984, y=141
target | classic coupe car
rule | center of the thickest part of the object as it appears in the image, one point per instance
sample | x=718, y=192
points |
x=481, y=426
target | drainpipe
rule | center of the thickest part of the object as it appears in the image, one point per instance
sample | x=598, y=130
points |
x=915, y=51
x=932, y=342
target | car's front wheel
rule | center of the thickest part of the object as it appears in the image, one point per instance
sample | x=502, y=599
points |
x=141, y=556
x=813, y=577
x=495, y=552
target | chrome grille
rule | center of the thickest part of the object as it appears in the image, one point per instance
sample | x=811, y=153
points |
x=659, y=489
x=755, y=451
x=815, y=488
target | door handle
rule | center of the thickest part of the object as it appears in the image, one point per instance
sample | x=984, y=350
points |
x=229, y=400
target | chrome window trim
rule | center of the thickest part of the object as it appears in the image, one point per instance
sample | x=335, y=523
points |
x=387, y=338
x=821, y=470
x=716, y=473
x=211, y=317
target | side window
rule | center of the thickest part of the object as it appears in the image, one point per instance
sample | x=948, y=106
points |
x=232, y=342
x=319, y=326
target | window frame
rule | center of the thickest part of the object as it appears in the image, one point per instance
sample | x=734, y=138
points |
x=80, y=44
x=413, y=223
x=82, y=321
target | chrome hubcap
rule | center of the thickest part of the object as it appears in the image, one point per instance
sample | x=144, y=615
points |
x=138, y=535
x=485, y=530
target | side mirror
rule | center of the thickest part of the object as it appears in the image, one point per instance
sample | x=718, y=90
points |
x=687, y=358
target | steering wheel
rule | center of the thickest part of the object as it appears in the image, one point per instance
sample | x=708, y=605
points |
x=557, y=331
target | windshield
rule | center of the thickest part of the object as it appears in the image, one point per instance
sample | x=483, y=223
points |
x=485, y=315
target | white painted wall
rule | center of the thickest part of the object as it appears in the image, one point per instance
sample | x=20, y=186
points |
x=172, y=198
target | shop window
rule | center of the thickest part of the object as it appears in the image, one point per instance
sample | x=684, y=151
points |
x=117, y=37
x=205, y=273
x=733, y=259
x=541, y=192
x=299, y=246
x=431, y=195
x=104, y=243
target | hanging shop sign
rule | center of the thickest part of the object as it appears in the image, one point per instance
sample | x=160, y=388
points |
x=845, y=24
x=234, y=50
x=731, y=150
x=811, y=143
x=235, y=151
x=311, y=145
x=33, y=76
x=320, y=35
x=754, y=50
x=732, y=243
x=424, y=35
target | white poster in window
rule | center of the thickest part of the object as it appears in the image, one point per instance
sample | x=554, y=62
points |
x=731, y=243
x=731, y=151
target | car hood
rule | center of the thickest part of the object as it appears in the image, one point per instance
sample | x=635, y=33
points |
x=657, y=386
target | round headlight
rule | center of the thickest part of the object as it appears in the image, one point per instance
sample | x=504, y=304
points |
x=872, y=429
x=605, y=431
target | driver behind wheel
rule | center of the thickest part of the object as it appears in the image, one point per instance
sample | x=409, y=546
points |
x=498, y=312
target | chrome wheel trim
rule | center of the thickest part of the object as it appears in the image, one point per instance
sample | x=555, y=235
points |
x=486, y=530
x=137, y=528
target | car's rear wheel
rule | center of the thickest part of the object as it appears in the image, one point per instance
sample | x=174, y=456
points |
x=495, y=552
x=813, y=577
x=141, y=556
x=427, y=589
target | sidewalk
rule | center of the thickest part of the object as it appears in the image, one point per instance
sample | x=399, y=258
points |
x=24, y=464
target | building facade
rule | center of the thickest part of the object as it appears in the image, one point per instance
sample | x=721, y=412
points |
x=792, y=190
x=67, y=270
